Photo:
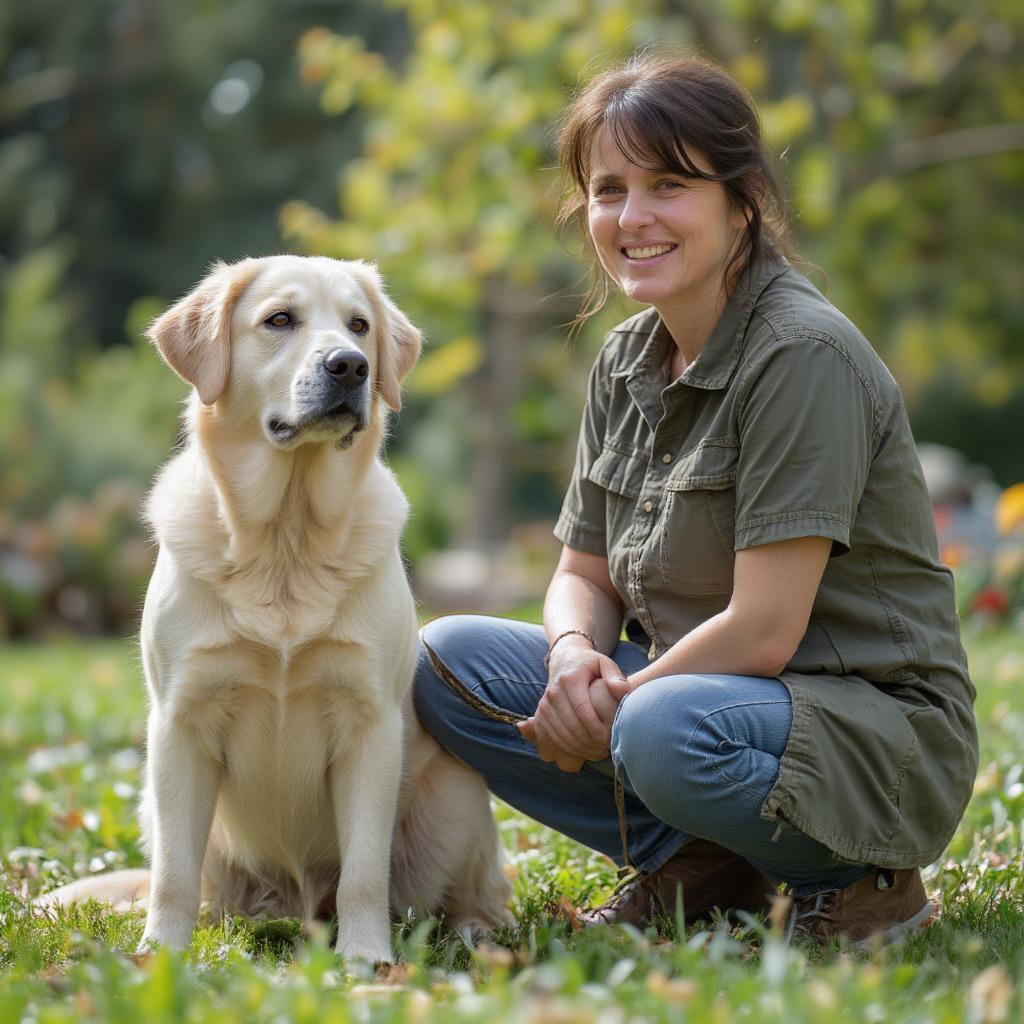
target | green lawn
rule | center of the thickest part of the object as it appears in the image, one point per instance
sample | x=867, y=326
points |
x=71, y=720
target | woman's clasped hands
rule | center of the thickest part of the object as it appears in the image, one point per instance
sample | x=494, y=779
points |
x=573, y=720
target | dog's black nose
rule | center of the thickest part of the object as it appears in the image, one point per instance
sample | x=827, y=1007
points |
x=348, y=368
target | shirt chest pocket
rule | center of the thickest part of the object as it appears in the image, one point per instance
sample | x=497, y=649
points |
x=621, y=475
x=698, y=522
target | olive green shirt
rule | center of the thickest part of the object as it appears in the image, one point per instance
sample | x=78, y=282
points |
x=789, y=425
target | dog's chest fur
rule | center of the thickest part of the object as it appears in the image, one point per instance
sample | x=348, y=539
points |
x=276, y=677
x=284, y=579
x=283, y=726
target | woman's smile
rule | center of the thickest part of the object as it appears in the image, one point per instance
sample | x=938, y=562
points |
x=648, y=251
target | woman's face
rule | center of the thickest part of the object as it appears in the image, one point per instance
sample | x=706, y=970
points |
x=665, y=239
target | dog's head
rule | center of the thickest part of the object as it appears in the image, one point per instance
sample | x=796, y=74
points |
x=306, y=343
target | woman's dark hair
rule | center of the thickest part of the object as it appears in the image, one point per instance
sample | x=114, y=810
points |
x=656, y=107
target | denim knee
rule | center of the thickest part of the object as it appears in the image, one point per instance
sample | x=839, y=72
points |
x=440, y=633
x=447, y=636
x=487, y=667
x=650, y=737
x=432, y=699
x=670, y=731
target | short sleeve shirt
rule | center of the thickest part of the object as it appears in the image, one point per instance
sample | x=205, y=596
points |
x=788, y=425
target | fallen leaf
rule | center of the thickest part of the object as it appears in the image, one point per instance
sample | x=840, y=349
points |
x=563, y=909
x=84, y=1004
x=495, y=955
x=391, y=974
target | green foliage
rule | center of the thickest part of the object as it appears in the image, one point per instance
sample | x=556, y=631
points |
x=453, y=188
x=71, y=544
x=902, y=186
x=73, y=408
x=73, y=712
x=155, y=138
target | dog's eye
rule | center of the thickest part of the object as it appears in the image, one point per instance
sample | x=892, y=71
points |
x=358, y=325
x=279, y=319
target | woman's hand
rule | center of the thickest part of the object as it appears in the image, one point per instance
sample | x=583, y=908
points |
x=572, y=723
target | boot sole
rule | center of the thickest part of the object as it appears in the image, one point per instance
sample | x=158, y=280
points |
x=922, y=919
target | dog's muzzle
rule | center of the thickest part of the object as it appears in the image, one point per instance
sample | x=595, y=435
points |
x=336, y=401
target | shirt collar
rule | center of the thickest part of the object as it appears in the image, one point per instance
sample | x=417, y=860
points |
x=714, y=366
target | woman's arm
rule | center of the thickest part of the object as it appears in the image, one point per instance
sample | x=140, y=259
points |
x=774, y=586
x=581, y=596
x=573, y=720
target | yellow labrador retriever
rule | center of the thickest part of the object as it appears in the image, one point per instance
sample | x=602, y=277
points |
x=285, y=770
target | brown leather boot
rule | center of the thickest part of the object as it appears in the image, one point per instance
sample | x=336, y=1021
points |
x=879, y=909
x=711, y=878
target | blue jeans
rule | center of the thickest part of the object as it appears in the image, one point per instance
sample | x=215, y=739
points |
x=697, y=754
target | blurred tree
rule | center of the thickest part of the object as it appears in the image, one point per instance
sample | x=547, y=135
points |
x=151, y=138
x=900, y=125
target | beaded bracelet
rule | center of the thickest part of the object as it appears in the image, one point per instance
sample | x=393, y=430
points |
x=562, y=636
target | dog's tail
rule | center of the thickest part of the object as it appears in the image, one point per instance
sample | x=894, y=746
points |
x=123, y=890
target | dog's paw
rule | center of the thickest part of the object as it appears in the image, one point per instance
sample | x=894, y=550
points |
x=175, y=935
x=144, y=952
x=480, y=927
x=363, y=961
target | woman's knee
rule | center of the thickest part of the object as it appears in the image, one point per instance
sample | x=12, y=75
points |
x=451, y=633
x=433, y=699
x=650, y=733
x=670, y=729
x=473, y=665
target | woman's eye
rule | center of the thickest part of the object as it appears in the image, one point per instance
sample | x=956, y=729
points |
x=279, y=319
x=669, y=183
x=358, y=325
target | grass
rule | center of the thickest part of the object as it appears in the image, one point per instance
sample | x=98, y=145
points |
x=71, y=722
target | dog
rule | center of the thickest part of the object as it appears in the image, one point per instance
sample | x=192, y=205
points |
x=285, y=771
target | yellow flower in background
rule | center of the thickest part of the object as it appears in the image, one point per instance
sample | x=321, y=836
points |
x=1010, y=510
x=1008, y=562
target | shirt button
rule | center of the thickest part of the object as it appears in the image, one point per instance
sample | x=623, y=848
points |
x=667, y=457
x=648, y=506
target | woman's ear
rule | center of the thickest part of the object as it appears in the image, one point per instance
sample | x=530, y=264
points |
x=194, y=335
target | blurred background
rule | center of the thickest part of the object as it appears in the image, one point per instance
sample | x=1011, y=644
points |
x=141, y=139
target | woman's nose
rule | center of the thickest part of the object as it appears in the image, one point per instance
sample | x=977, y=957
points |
x=636, y=212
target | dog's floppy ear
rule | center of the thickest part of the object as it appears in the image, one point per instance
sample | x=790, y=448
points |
x=399, y=355
x=400, y=341
x=194, y=335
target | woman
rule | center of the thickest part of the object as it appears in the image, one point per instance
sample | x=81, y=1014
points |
x=792, y=705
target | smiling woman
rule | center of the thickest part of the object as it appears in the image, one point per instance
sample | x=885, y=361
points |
x=792, y=704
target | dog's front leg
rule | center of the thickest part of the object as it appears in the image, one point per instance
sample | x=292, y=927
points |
x=364, y=788
x=183, y=781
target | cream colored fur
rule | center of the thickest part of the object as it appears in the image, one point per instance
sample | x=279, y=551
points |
x=278, y=638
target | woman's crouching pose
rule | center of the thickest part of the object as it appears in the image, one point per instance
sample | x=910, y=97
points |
x=792, y=704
